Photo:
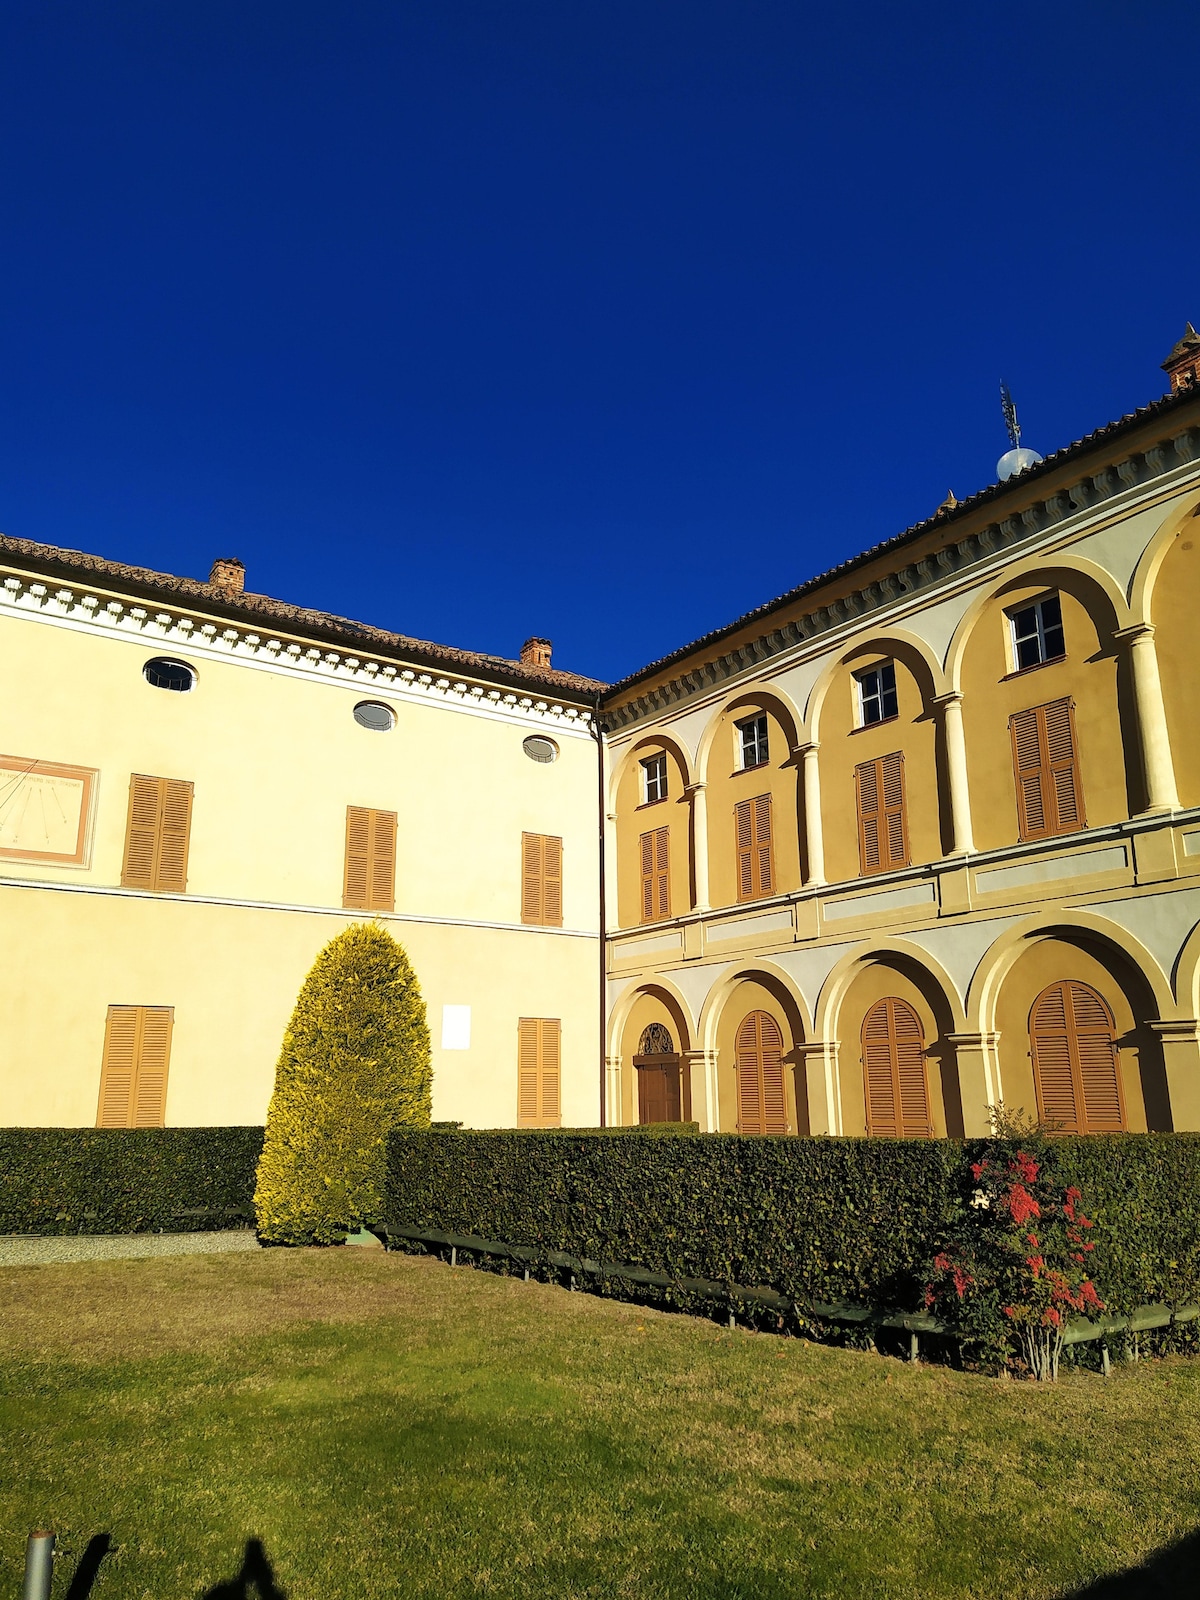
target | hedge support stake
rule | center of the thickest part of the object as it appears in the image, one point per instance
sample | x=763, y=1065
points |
x=1105, y=1364
x=453, y=1255
x=526, y=1274
x=39, y=1565
x=732, y=1324
x=912, y=1347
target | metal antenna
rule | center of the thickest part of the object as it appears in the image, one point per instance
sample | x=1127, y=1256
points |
x=1009, y=407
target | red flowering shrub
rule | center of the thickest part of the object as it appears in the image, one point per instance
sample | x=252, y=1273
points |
x=1015, y=1266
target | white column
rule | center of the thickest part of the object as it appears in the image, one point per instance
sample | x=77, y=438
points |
x=1157, y=766
x=702, y=1066
x=950, y=705
x=698, y=794
x=612, y=1092
x=814, y=838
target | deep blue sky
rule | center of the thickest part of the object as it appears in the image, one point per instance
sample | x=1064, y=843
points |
x=605, y=320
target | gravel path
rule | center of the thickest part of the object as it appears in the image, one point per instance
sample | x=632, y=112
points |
x=23, y=1250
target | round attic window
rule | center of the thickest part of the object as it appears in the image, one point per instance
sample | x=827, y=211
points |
x=163, y=673
x=539, y=749
x=375, y=715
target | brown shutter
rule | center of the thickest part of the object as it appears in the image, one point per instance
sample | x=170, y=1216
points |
x=758, y=1047
x=551, y=1051
x=552, y=881
x=133, y=1070
x=1049, y=797
x=1075, y=1065
x=382, y=881
x=895, y=1079
x=539, y=1051
x=531, y=877
x=655, y=850
x=763, y=863
x=744, y=821
x=541, y=879
x=755, y=852
x=157, y=834
x=369, y=883
x=882, y=819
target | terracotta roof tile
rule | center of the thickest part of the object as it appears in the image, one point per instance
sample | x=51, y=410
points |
x=323, y=625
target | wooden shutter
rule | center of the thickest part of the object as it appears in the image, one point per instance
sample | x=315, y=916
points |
x=882, y=818
x=894, y=1074
x=1075, y=1066
x=157, y=834
x=762, y=1103
x=133, y=1070
x=656, y=863
x=755, y=848
x=369, y=882
x=1049, y=796
x=539, y=1072
x=541, y=879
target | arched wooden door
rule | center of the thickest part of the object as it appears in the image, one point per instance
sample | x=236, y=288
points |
x=895, y=1080
x=1075, y=1068
x=762, y=1104
x=657, y=1064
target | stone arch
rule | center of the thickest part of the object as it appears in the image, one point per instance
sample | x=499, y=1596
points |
x=672, y=1001
x=651, y=736
x=1082, y=577
x=863, y=976
x=906, y=646
x=750, y=694
x=1082, y=946
x=654, y=1000
x=747, y=986
x=1145, y=576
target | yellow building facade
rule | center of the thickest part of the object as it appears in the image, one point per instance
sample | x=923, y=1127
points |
x=173, y=858
x=913, y=840
x=920, y=837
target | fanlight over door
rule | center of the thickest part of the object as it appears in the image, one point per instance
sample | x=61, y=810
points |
x=657, y=1063
x=762, y=1104
x=895, y=1079
x=1075, y=1067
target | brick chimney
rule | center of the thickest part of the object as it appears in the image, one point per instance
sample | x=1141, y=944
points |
x=536, y=652
x=228, y=574
x=1182, y=366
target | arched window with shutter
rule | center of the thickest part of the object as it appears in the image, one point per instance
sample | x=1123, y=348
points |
x=1075, y=1068
x=895, y=1079
x=658, y=1078
x=762, y=1104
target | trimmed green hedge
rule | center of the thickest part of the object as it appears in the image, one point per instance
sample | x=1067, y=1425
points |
x=127, y=1180
x=817, y=1219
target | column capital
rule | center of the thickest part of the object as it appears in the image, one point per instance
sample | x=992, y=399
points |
x=806, y=747
x=972, y=1040
x=697, y=787
x=1135, y=633
x=1177, y=1028
x=952, y=697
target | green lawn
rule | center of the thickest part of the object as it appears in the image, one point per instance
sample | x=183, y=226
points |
x=387, y=1426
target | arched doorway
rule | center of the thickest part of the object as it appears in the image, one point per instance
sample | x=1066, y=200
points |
x=896, y=1084
x=761, y=1098
x=658, y=1078
x=1073, y=1038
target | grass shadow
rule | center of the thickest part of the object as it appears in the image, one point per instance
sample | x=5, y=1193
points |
x=1166, y=1575
x=254, y=1581
x=88, y=1566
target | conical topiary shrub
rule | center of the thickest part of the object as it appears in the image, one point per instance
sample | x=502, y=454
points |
x=354, y=1065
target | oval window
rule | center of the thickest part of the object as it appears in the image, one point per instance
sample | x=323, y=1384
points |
x=375, y=715
x=539, y=749
x=163, y=673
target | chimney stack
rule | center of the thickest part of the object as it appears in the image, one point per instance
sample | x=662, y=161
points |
x=536, y=652
x=1182, y=366
x=228, y=574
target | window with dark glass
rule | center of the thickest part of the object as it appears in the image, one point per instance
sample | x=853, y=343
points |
x=752, y=741
x=654, y=778
x=877, y=694
x=163, y=673
x=1037, y=633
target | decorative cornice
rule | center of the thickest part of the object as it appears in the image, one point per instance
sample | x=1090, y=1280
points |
x=76, y=607
x=915, y=577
